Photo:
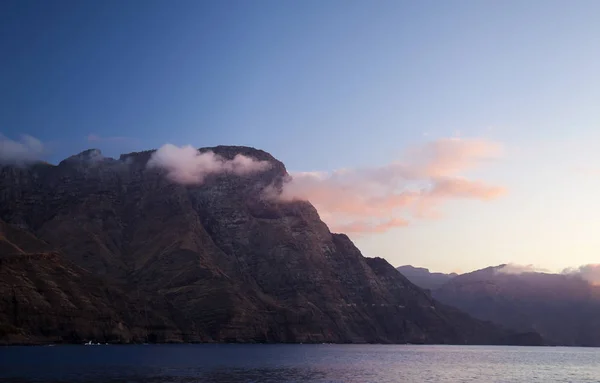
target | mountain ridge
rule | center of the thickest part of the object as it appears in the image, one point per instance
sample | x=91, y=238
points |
x=562, y=308
x=216, y=261
x=423, y=278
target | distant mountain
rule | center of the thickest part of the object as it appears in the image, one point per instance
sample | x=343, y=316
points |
x=115, y=250
x=423, y=278
x=564, y=309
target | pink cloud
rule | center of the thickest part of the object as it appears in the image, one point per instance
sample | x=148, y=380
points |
x=464, y=188
x=450, y=156
x=377, y=199
x=363, y=227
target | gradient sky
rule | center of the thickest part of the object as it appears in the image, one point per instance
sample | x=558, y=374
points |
x=324, y=85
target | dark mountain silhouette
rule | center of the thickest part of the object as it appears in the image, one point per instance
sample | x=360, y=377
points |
x=110, y=250
x=423, y=278
x=564, y=309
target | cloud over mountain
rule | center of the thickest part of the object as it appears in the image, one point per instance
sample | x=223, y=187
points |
x=514, y=268
x=377, y=199
x=186, y=165
x=589, y=272
x=24, y=150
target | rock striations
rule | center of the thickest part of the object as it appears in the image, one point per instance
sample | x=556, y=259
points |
x=111, y=250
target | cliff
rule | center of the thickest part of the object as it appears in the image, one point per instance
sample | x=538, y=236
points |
x=137, y=257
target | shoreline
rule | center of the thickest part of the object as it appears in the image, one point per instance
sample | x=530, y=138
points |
x=48, y=344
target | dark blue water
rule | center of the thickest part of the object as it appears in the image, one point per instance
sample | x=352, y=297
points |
x=297, y=363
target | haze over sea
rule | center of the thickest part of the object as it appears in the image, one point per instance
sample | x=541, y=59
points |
x=229, y=363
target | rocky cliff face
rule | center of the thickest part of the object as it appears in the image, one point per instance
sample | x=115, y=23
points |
x=43, y=297
x=144, y=258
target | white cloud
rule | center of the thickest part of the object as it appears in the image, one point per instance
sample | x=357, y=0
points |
x=513, y=268
x=26, y=149
x=186, y=165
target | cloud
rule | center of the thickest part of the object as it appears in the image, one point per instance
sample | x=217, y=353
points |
x=186, y=165
x=359, y=227
x=589, y=272
x=513, y=268
x=464, y=188
x=449, y=156
x=376, y=199
x=26, y=149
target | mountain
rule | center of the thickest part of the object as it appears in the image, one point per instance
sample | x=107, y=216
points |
x=115, y=250
x=43, y=296
x=564, y=309
x=423, y=278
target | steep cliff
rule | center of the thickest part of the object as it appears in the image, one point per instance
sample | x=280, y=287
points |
x=45, y=298
x=212, y=262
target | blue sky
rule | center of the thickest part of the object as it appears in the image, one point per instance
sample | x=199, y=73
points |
x=331, y=84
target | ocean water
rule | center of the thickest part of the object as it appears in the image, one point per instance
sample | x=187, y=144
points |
x=227, y=363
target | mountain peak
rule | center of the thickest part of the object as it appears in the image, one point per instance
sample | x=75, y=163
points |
x=86, y=157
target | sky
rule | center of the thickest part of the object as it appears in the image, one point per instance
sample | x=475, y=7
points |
x=451, y=135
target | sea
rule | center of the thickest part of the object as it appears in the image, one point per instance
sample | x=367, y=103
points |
x=325, y=363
